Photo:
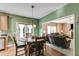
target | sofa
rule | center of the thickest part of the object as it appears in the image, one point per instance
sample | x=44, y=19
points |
x=58, y=40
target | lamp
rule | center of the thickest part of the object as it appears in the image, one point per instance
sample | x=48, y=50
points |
x=32, y=15
x=33, y=26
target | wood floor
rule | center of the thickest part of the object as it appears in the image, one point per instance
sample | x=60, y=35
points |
x=8, y=52
x=11, y=52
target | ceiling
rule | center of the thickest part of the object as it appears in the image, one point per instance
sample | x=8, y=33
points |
x=68, y=19
x=24, y=9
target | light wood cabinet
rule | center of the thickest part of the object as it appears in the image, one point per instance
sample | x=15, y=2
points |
x=3, y=42
x=4, y=23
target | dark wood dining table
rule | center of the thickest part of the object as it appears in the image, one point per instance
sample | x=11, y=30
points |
x=28, y=43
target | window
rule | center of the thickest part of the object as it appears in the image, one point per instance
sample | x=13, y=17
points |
x=24, y=29
x=51, y=29
x=29, y=28
x=21, y=27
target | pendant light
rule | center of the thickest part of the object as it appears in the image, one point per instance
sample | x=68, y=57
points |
x=32, y=15
x=33, y=26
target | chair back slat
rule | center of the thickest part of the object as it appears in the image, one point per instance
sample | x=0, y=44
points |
x=13, y=38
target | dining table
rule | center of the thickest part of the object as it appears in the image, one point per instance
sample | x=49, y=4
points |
x=30, y=41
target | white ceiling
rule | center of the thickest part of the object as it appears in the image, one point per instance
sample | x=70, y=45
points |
x=68, y=19
x=24, y=9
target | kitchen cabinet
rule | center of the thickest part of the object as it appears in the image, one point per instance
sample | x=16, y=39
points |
x=3, y=42
x=4, y=23
x=2, y=46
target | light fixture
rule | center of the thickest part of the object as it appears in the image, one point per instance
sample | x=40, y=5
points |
x=33, y=25
x=32, y=14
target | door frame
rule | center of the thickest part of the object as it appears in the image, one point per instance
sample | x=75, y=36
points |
x=74, y=28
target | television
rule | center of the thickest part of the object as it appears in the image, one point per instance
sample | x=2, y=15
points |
x=71, y=26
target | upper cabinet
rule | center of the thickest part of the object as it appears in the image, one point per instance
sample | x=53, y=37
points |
x=4, y=23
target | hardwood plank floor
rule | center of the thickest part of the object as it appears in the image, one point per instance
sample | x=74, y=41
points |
x=53, y=52
x=11, y=52
x=8, y=52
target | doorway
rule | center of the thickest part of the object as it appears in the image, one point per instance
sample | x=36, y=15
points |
x=64, y=25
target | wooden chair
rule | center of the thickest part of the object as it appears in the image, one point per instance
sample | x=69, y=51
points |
x=18, y=45
x=37, y=47
x=41, y=45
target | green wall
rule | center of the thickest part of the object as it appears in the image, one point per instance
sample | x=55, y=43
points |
x=64, y=11
x=14, y=18
x=72, y=8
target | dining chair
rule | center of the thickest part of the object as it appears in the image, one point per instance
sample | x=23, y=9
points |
x=37, y=47
x=41, y=45
x=18, y=45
